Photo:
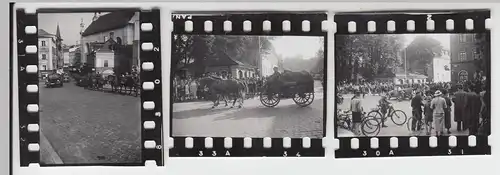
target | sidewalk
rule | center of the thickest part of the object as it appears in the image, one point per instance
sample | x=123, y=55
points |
x=47, y=153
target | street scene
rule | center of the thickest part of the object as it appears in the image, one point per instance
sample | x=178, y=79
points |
x=412, y=85
x=89, y=88
x=248, y=86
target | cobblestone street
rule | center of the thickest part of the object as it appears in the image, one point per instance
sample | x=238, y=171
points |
x=253, y=120
x=84, y=126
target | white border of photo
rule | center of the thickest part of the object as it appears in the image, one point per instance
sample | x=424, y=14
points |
x=456, y=165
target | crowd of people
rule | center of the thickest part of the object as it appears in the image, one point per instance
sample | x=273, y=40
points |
x=188, y=88
x=431, y=103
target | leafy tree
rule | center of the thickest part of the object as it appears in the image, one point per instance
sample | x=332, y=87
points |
x=367, y=56
x=193, y=51
x=420, y=54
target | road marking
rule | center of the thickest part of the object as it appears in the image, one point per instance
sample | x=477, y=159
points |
x=47, y=152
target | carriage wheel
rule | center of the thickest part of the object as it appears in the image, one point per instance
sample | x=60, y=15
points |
x=304, y=99
x=269, y=100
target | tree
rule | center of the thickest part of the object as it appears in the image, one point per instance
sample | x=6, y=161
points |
x=368, y=56
x=194, y=51
x=421, y=53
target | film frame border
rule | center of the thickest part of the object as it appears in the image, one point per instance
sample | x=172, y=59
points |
x=422, y=22
x=151, y=90
x=313, y=23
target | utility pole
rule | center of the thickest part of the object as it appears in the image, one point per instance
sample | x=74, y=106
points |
x=406, y=74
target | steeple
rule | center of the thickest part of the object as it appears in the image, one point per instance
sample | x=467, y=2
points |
x=58, y=38
x=82, y=26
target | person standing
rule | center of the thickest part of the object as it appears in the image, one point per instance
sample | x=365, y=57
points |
x=447, y=111
x=357, y=110
x=416, y=105
x=459, y=100
x=473, y=109
x=438, y=106
x=384, y=107
x=428, y=115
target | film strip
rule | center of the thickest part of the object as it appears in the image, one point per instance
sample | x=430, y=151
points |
x=230, y=64
x=97, y=97
x=409, y=99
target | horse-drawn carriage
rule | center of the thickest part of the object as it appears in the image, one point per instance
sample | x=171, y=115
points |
x=296, y=85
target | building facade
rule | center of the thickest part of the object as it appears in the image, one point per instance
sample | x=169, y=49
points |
x=66, y=59
x=441, y=68
x=464, y=56
x=120, y=28
x=46, y=50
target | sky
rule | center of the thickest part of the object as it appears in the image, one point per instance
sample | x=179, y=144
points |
x=69, y=24
x=444, y=39
x=291, y=46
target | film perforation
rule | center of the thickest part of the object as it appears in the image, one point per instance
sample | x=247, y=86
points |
x=117, y=50
x=28, y=94
x=465, y=32
x=151, y=86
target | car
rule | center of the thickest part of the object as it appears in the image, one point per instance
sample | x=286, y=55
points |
x=66, y=78
x=54, y=80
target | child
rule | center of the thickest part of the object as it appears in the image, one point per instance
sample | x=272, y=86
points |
x=384, y=107
x=428, y=115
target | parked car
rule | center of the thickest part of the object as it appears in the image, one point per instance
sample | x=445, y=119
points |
x=66, y=78
x=54, y=80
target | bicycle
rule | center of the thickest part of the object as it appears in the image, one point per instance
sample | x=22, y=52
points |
x=395, y=115
x=420, y=126
x=370, y=126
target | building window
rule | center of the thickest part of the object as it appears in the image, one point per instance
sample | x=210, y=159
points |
x=462, y=56
x=44, y=56
x=462, y=38
x=43, y=43
x=105, y=63
x=463, y=76
x=44, y=67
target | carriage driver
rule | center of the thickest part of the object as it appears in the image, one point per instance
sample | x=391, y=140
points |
x=276, y=72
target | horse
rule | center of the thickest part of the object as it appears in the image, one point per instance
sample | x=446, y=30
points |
x=225, y=89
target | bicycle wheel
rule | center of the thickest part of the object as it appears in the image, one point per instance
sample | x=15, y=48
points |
x=417, y=124
x=375, y=114
x=370, y=127
x=399, y=117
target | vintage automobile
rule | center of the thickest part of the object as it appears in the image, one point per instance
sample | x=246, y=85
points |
x=298, y=86
x=54, y=80
x=66, y=78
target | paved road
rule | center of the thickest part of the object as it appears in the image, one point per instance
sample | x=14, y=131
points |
x=84, y=126
x=371, y=101
x=253, y=120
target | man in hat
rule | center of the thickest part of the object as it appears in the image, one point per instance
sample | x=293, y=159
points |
x=438, y=106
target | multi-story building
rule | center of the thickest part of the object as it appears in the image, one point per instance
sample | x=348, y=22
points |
x=441, y=68
x=119, y=33
x=46, y=50
x=465, y=56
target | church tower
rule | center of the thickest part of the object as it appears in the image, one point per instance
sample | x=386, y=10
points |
x=59, y=49
x=83, y=57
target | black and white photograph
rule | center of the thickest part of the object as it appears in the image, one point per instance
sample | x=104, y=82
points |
x=434, y=84
x=90, y=105
x=248, y=86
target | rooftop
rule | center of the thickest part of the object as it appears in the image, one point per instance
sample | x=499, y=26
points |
x=110, y=21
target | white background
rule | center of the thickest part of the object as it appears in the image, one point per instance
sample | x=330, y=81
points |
x=455, y=165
